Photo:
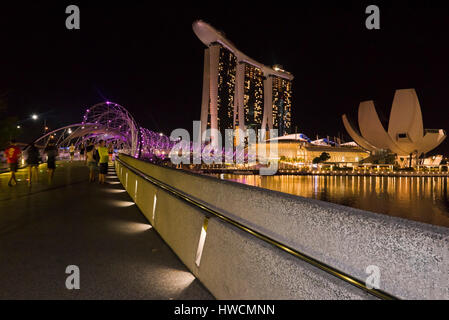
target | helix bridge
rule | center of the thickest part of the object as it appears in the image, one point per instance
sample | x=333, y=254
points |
x=114, y=124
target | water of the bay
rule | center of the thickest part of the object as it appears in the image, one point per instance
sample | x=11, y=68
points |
x=423, y=199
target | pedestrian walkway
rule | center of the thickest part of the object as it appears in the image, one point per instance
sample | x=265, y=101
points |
x=45, y=228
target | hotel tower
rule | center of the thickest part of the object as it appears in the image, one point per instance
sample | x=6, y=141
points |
x=239, y=92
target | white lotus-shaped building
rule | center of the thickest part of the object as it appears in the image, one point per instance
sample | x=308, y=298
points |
x=406, y=135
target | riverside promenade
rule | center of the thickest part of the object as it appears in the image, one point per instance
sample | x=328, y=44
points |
x=45, y=228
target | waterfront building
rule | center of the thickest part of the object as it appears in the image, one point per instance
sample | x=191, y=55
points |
x=299, y=149
x=432, y=162
x=239, y=92
x=226, y=85
x=253, y=97
x=282, y=105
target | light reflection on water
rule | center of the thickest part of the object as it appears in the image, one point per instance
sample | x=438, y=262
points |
x=422, y=199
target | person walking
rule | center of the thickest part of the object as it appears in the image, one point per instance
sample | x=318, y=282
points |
x=72, y=152
x=33, y=163
x=110, y=151
x=103, y=163
x=12, y=154
x=91, y=162
x=82, y=152
x=52, y=153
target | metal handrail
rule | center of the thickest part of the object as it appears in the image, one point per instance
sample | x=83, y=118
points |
x=316, y=263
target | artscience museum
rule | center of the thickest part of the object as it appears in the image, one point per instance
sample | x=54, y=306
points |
x=406, y=136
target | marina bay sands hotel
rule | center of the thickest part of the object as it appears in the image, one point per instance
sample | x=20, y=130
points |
x=239, y=92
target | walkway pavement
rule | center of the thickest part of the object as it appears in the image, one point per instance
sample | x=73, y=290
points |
x=45, y=228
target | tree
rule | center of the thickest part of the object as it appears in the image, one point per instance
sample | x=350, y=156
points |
x=8, y=131
x=8, y=125
x=325, y=156
x=322, y=158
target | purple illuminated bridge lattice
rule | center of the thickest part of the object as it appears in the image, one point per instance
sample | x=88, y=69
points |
x=111, y=122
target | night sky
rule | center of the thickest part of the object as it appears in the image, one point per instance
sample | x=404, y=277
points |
x=148, y=59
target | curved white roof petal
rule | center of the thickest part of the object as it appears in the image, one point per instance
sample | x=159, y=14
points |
x=356, y=137
x=432, y=140
x=405, y=129
x=405, y=116
x=372, y=129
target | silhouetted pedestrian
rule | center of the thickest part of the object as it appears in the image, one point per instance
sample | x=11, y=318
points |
x=12, y=154
x=91, y=162
x=33, y=163
x=52, y=152
x=82, y=152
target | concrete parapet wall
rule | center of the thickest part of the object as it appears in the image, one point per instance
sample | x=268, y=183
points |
x=413, y=258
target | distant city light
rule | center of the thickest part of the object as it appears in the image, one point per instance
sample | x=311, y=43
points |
x=34, y=117
x=18, y=127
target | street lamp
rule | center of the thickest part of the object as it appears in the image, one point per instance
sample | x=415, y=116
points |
x=34, y=116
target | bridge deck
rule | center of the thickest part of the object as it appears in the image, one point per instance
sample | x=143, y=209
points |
x=44, y=229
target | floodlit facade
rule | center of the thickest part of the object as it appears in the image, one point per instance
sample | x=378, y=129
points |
x=253, y=97
x=225, y=90
x=405, y=137
x=239, y=92
x=434, y=161
x=282, y=105
x=300, y=149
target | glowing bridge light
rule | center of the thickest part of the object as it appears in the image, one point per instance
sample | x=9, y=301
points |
x=122, y=204
x=154, y=207
x=114, y=190
x=199, y=251
x=126, y=227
